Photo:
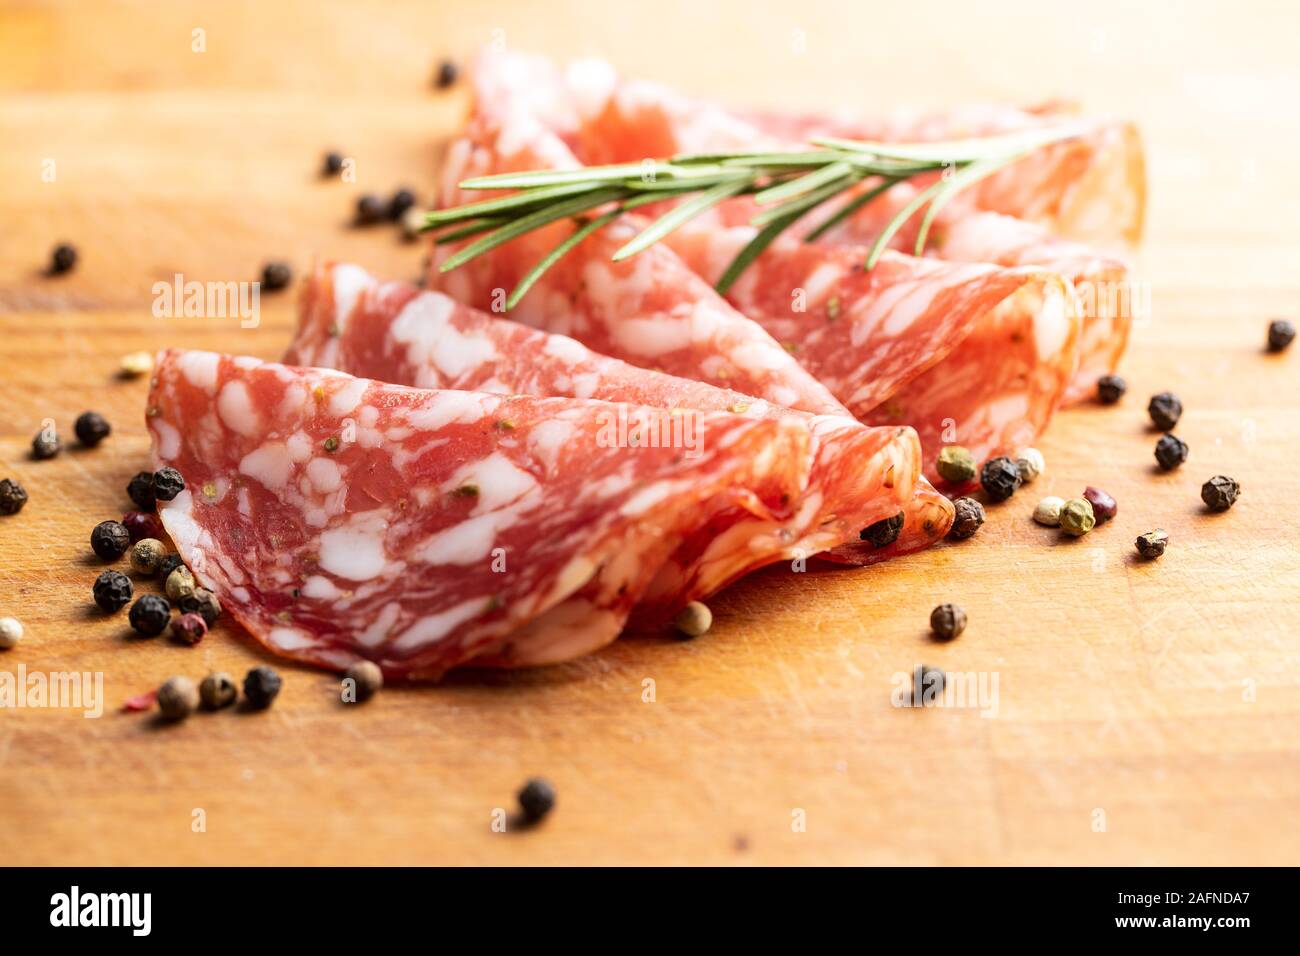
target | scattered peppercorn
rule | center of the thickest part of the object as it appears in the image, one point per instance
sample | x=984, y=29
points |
x=46, y=444
x=333, y=163
x=63, y=258
x=189, y=629
x=112, y=591
x=536, y=799
x=276, y=275
x=1220, y=493
x=1152, y=544
x=331, y=444
x=446, y=75
x=927, y=684
x=177, y=698
x=948, y=621
x=110, y=539
x=260, y=687
x=179, y=584
x=694, y=620
x=968, y=515
x=146, y=555
x=1000, y=478
x=401, y=201
x=11, y=632
x=955, y=464
x=142, y=524
x=1104, y=506
x=1030, y=464
x=884, y=532
x=366, y=679
x=1165, y=409
x=370, y=210
x=1048, y=511
x=12, y=497
x=150, y=614
x=1171, y=451
x=1110, y=389
x=135, y=364
x=170, y=562
x=203, y=602
x=91, y=428
x=140, y=490
x=218, y=690
x=1281, y=334
x=1077, y=517
x=167, y=484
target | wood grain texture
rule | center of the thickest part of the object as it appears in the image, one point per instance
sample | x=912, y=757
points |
x=1166, y=695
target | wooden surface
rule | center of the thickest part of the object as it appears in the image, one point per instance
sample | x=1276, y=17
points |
x=1165, y=696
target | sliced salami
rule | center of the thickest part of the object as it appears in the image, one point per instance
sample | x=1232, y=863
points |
x=340, y=518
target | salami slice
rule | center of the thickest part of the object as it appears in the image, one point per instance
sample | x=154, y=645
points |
x=340, y=518
x=395, y=332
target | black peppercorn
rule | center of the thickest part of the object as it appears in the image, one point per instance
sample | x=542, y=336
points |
x=1281, y=334
x=1165, y=409
x=260, y=687
x=140, y=490
x=167, y=484
x=333, y=163
x=1104, y=507
x=1171, y=451
x=883, y=532
x=150, y=615
x=12, y=497
x=169, y=563
x=927, y=685
x=63, y=258
x=536, y=799
x=401, y=201
x=91, y=428
x=110, y=539
x=1110, y=389
x=366, y=679
x=276, y=275
x=1000, y=478
x=112, y=591
x=46, y=444
x=1152, y=544
x=203, y=602
x=1220, y=493
x=967, y=518
x=370, y=210
x=446, y=75
x=947, y=621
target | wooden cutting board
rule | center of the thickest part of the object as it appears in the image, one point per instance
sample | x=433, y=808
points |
x=1146, y=713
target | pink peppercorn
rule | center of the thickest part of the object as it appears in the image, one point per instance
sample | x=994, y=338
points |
x=189, y=628
x=1103, y=505
x=142, y=524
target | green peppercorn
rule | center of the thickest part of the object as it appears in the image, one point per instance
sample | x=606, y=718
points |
x=1110, y=389
x=261, y=685
x=1281, y=334
x=927, y=685
x=110, y=539
x=955, y=464
x=218, y=690
x=140, y=490
x=146, y=555
x=203, y=602
x=177, y=698
x=91, y=428
x=884, y=532
x=1220, y=493
x=12, y=497
x=179, y=584
x=332, y=443
x=112, y=591
x=46, y=444
x=1171, y=451
x=1165, y=409
x=366, y=679
x=1104, y=506
x=694, y=619
x=1077, y=517
x=150, y=614
x=536, y=799
x=968, y=516
x=167, y=484
x=948, y=621
x=1152, y=544
x=1000, y=478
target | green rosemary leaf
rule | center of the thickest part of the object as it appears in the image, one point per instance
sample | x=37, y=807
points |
x=514, y=203
x=817, y=157
x=850, y=207
x=534, y=220
x=882, y=241
x=804, y=203
x=971, y=173
x=464, y=232
x=808, y=182
x=751, y=251
x=960, y=150
x=678, y=216
x=588, y=175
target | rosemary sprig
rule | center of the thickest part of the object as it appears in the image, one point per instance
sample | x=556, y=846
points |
x=787, y=185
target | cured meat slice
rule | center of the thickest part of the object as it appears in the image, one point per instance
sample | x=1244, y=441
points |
x=970, y=354
x=395, y=332
x=340, y=518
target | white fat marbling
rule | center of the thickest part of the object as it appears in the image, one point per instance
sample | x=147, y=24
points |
x=236, y=409
x=355, y=550
x=269, y=464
